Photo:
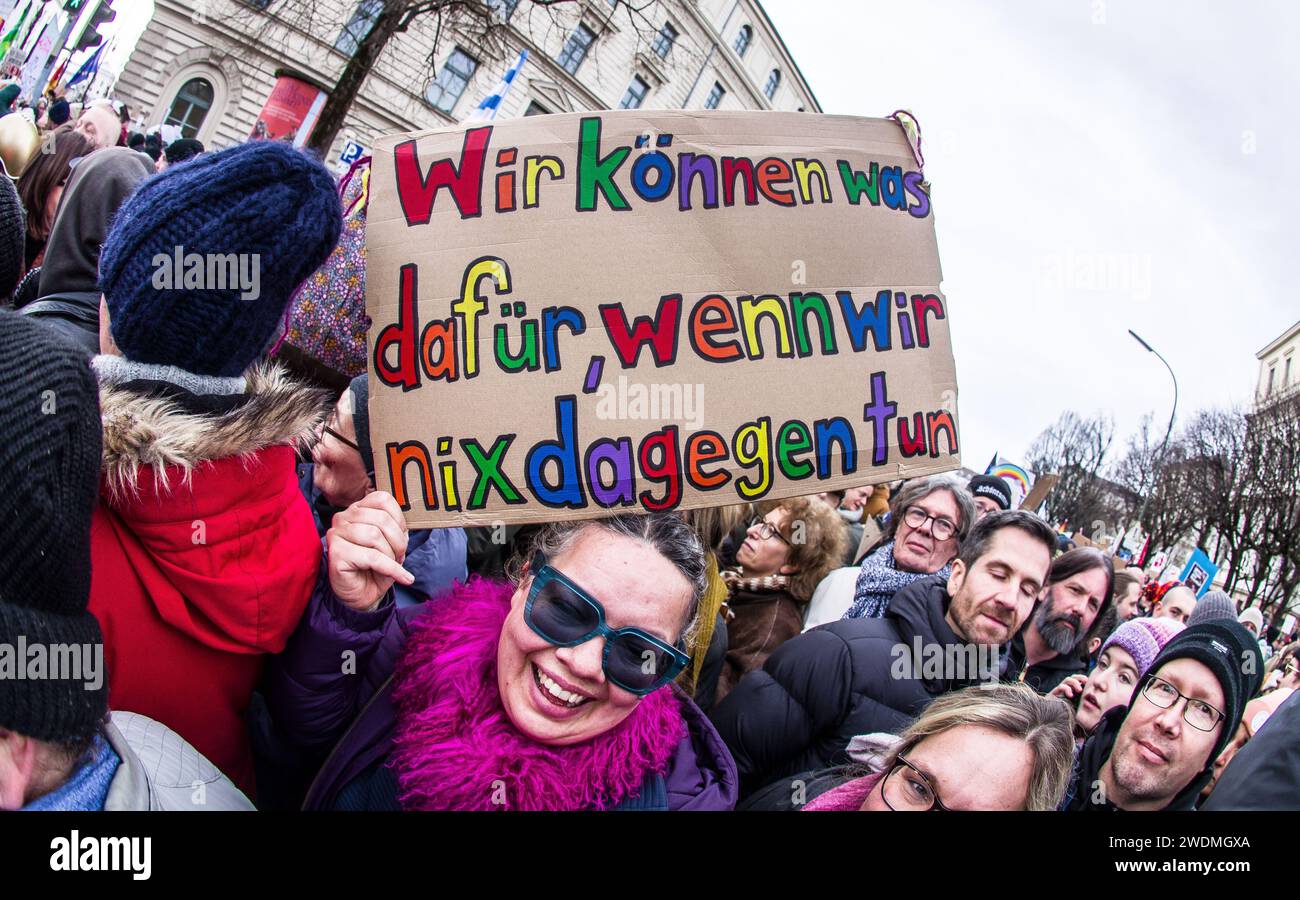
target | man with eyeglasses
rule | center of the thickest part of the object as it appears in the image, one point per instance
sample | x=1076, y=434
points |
x=342, y=471
x=1159, y=751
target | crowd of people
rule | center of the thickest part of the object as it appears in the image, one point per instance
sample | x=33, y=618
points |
x=200, y=516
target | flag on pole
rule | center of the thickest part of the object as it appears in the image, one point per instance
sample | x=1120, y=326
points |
x=58, y=73
x=486, y=111
x=7, y=41
x=89, y=68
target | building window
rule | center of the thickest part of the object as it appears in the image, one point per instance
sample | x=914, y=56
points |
x=536, y=109
x=664, y=40
x=742, y=40
x=773, y=82
x=363, y=19
x=1286, y=375
x=505, y=7
x=575, y=49
x=1271, y=373
x=451, y=81
x=635, y=94
x=715, y=96
x=190, y=107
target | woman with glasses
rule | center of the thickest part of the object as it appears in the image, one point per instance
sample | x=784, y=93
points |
x=550, y=691
x=342, y=471
x=929, y=518
x=783, y=557
x=982, y=748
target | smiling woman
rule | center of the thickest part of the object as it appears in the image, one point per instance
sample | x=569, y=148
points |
x=553, y=691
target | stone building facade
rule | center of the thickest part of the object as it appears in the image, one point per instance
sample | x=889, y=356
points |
x=208, y=66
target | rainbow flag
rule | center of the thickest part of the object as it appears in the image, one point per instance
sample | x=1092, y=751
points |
x=1017, y=477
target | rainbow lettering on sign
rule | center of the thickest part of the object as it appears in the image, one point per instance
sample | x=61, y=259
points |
x=697, y=180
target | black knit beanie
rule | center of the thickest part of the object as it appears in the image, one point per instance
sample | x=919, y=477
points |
x=13, y=231
x=993, y=487
x=1231, y=653
x=49, y=480
x=360, y=390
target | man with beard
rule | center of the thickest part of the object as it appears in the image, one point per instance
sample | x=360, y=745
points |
x=1078, y=593
x=1159, y=751
x=858, y=676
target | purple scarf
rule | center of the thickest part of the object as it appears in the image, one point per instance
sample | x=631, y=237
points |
x=455, y=748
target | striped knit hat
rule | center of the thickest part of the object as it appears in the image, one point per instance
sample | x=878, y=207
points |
x=1143, y=639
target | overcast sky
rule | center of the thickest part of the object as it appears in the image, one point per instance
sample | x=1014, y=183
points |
x=1097, y=165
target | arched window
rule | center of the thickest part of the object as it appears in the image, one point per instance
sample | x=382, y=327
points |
x=742, y=40
x=191, y=106
x=773, y=82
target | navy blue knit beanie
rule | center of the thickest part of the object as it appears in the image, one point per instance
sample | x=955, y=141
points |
x=204, y=258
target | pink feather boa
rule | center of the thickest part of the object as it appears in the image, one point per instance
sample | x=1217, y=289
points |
x=455, y=748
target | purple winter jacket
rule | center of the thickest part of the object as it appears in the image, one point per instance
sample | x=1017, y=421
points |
x=316, y=703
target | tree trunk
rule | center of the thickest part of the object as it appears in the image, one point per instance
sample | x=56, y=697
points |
x=354, y=75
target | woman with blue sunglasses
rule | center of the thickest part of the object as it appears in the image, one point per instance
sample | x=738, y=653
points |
x=552, y=691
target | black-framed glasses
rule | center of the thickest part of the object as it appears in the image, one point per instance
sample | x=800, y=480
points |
x=1197, y=713
x=907, y=789
x=340, y=438
x=942, y=529
x=767, y=529
x=566, y=615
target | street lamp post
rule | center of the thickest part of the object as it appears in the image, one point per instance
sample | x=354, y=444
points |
x=1164, y=445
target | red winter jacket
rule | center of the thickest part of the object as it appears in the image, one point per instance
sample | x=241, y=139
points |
x=197, y=574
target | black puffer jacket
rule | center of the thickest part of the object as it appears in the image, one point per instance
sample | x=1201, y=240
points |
x=1052, y=671
x=855, y=676
x=1265, y=774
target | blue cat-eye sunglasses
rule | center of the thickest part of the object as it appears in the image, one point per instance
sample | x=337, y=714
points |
x=566, y=615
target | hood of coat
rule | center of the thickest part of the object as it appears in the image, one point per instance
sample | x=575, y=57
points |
x=148, y=430
x=202, y=512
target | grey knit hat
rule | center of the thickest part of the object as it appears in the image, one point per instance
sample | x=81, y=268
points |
x=1214, y=605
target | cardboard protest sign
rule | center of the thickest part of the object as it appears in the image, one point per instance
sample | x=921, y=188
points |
x=575, y=315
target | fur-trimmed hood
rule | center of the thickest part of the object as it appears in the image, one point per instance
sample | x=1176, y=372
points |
x=154, y=431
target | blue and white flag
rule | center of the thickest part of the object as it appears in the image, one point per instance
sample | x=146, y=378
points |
x=486, y=111
x=89, y=68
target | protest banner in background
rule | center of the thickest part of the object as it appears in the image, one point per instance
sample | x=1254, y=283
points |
x=580, y=314
x=1199, y=572
x=290, y=112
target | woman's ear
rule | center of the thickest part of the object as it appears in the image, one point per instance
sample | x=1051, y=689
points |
x=788, y=569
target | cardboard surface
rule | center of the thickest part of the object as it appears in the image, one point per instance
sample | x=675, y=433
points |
x=567, y=324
